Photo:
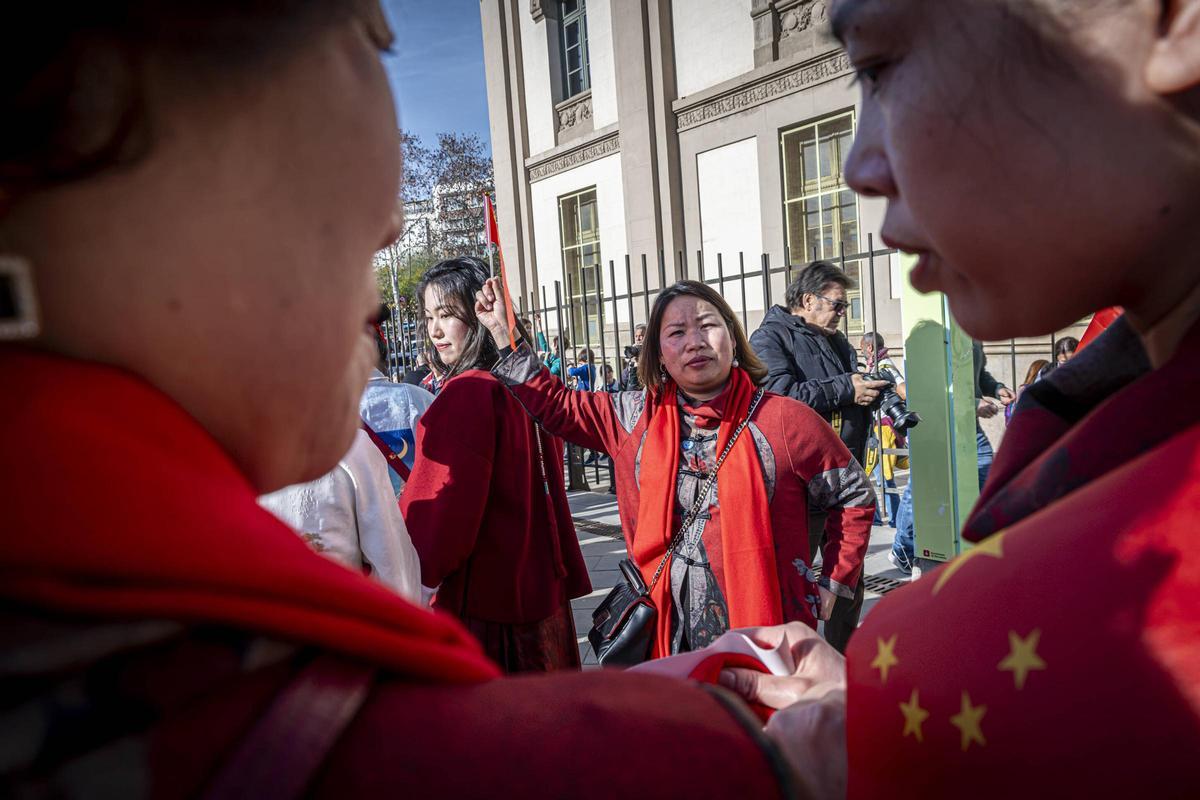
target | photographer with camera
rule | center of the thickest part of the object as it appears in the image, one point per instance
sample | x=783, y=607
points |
x=809, y=359
x=629, y=375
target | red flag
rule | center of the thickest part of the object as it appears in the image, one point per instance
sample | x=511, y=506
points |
x=1100, y=321
x=493, y=238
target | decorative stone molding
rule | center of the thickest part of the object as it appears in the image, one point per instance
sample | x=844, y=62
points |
x=573, y=117
x=801, y=76
x=537, y=9
x=783, y=28
x=574, y=158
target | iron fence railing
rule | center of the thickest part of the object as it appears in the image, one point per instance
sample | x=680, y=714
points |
x=566, y=319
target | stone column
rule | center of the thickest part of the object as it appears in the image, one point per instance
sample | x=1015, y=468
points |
x=506, y=111
x=645, y=67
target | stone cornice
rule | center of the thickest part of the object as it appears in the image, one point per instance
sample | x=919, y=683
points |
x=690, y=114
x=589, y=151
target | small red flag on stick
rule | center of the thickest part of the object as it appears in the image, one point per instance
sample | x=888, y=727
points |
x=493, y=238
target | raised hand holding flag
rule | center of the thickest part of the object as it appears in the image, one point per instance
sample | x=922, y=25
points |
x=493, y=238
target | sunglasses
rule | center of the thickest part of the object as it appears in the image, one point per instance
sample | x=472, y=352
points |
x=839, y=306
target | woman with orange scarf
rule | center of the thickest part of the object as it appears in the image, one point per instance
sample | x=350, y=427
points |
x=743, y=561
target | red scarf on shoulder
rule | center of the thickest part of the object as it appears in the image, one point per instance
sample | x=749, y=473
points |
x=747, y=546
x=118, y=505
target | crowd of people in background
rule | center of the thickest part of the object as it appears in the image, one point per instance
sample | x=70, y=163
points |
x=189, y=322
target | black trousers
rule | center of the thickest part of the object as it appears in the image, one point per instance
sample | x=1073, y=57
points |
x=844, y=620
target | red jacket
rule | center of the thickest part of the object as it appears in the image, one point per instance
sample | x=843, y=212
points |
x=810, y=461
x=501, y=547
x=159, y=622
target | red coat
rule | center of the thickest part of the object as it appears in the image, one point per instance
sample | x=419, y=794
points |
x=141, y=582
x=1060, y=656
x=500, y=547
x=802, y=446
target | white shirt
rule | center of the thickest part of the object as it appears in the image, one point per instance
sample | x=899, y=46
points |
x=351, y=516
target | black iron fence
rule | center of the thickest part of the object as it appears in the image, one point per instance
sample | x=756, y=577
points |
x=567, y=320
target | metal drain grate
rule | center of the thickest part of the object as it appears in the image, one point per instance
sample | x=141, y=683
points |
x=873, y=583
x=599, y=528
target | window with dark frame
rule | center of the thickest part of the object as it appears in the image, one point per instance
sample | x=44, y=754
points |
x=820, y=210
x=576, y=72
x=580, y=229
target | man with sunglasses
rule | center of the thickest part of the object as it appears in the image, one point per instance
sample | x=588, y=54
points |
x=809, y=358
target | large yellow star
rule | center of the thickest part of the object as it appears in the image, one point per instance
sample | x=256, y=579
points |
x=1022, y=658
x=991, y=546
x=885, y=657
x=914, y=716
x=967, y=721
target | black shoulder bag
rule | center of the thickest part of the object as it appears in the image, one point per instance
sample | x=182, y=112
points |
x=623, y=625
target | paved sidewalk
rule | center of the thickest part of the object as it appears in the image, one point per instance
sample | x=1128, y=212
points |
x=598, y=527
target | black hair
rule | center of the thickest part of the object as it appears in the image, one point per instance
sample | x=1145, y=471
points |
x=1065, y=345
x=381, y=344
x=456, y=280
x=72, y=84
x=650, y=369
x=814, y=279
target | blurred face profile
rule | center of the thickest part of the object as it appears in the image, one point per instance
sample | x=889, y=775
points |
x=995, y=130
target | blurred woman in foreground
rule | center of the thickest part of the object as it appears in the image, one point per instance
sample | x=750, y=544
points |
x=1060, y=656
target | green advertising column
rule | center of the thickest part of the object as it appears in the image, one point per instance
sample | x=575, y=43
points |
x=941, y=388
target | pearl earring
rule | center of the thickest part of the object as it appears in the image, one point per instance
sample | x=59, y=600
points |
x=18, y=301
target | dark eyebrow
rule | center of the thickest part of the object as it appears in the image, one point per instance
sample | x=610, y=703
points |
x=840, y=22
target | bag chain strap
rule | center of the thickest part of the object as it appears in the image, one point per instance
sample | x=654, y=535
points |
x=702, y=496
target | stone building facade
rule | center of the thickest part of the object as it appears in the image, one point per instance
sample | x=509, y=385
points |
x=696, y=129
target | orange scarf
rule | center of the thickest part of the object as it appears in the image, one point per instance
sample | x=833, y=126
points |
x=747, y=546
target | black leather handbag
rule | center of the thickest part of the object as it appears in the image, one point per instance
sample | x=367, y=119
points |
x=623, y=625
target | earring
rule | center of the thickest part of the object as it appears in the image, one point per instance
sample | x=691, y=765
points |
x=18, y=301
x=735, y=363
x=662, y=372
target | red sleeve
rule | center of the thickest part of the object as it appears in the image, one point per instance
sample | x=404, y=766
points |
x=586, y=735
x=837, y=485
x=444, y=500
x=589, y=419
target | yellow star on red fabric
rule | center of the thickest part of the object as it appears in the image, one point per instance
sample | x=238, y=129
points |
x=968, y=722
x=885, y=656
x=914, y=716
x=1022, y=657
x=993, y=547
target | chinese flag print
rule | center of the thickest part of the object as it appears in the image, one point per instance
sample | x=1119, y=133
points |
x=1057, y=658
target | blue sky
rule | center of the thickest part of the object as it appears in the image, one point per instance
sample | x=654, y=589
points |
x=437, y=69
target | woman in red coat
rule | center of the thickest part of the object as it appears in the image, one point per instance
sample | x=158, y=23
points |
x=743, y=559
x=486, y=504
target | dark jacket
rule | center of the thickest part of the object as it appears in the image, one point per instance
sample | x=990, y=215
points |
x=985, y=384
x=814, y=369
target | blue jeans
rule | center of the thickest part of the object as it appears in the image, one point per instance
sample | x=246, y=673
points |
x=890, y=501
x=983, y=450
x=904, y=543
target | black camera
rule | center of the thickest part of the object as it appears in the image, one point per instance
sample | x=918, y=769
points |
x=633, y=352
x=891, y=405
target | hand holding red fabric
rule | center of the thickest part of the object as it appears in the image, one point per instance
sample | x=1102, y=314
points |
x=816, y=667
